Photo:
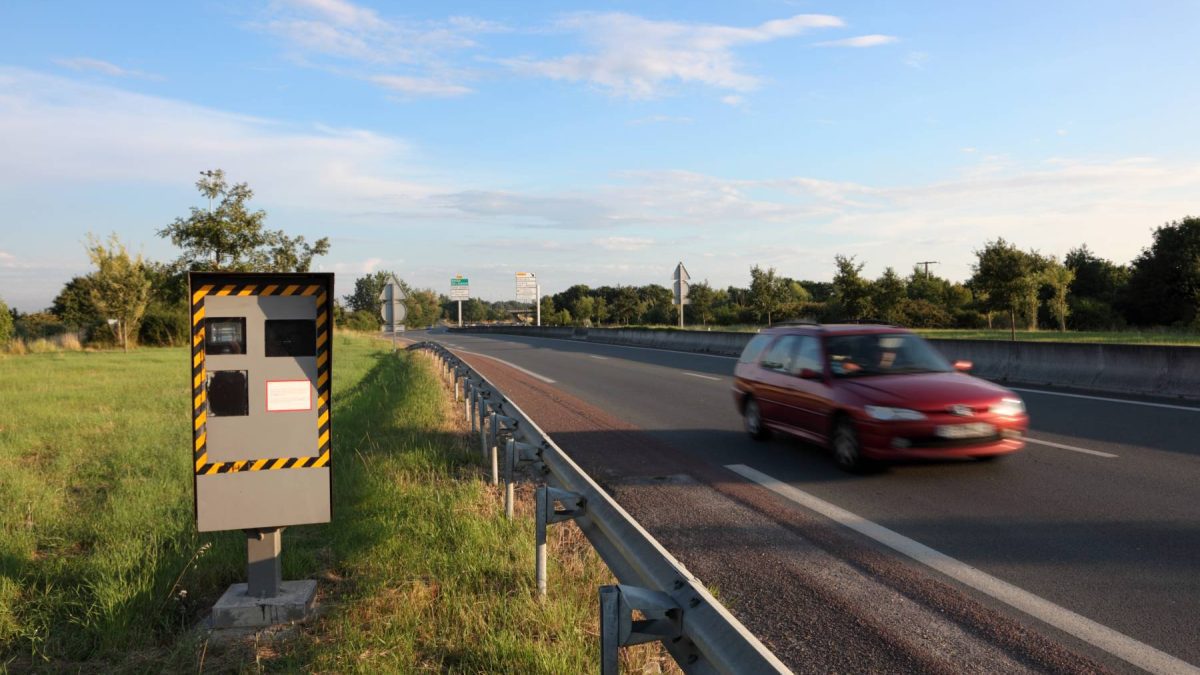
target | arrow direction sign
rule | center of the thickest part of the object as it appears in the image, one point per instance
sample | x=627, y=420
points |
x=391, y=305
x=681, y=278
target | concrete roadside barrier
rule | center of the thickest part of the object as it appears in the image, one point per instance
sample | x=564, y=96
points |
x=1127, y=369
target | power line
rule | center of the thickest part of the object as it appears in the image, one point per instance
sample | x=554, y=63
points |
x=927, y=263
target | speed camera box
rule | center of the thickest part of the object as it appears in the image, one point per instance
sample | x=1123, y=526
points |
x=261, y=360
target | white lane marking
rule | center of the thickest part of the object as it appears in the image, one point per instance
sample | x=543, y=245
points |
x=597, y=356
x=707, y=377
x=514, y=366
x=1073, y=448
x=1118, y=644
x=1110, y=400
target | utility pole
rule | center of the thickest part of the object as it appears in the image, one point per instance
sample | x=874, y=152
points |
x=927, y=263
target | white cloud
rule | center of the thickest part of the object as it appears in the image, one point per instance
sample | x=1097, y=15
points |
x=354, y=40
x=637, y=58
x=86, y=64
x=916, y=59
x=660, y=119
x=860, y=41
x=733, y=100
x=418, y=86
x=623, y=243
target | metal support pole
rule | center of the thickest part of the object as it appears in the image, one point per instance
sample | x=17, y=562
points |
x=483, y=430
x=460, y=313
x=264, y=570
x=510, y=451
x=540, y=506
x=495, y=450
x=610, y=630
x=538, y=302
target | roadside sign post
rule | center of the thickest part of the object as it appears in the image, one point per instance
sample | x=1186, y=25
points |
x=392, y=308
x=681, y=278
x=460, y=289
x=528, y=288
x=262, y=426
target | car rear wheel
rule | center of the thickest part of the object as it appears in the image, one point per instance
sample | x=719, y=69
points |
x=847, y=451
x=752, y=419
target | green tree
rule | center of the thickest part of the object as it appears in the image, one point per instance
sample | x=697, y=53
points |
x=120, y=289
x=547, y=309
x=625, y=306
x=767, y=292
x=1164, y=283
x=700, y=303
x=1058, y=278
x=888, y=294
x=366, y=291
x=1008, y=278
x=423, y=308
x=851, y=290
x=229, y=236
x=584, y=309
x=6, y=325
x=74, y=307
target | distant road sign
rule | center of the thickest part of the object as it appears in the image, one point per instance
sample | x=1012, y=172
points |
x=681, y=277
x=391, y=305
x=527, y=286
x=460, y=288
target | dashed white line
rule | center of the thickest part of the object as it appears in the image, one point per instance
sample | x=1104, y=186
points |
x=514, y=366
x=1110, y=400
x=706, y=377
x=597, y=356
x=1072, y=448
x=1118, y=644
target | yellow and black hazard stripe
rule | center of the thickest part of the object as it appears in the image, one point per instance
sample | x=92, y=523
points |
x=246, y=285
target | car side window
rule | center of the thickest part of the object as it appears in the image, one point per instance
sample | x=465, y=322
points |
x=779, y=356
x=807, y=355
x=754, y=348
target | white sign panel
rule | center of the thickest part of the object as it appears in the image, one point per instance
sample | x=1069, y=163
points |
x=289, y=395
x=527, y=286
x=681, y=285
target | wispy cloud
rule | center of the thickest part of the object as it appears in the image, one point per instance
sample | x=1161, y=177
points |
x=860, y=41
x=87, y=64
x=660, y=119
x=916, y=59
x=634, y=57
x=420, y=86
x=623, y=243
x=360, y=42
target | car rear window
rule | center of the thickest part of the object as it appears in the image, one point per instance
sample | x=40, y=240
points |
x=754, y=348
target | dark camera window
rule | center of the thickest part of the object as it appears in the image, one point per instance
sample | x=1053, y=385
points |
x=228, y=394
x=291, y=337
x=225, y=336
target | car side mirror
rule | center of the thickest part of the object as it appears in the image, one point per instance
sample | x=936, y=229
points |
x=963, y=366
x=808, y=374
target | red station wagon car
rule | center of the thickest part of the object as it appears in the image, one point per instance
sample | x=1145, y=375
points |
x=872, y=392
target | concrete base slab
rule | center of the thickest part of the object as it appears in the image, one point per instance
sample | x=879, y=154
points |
x=235, y=609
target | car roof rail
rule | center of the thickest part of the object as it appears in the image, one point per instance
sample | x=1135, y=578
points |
x=870, y=321
x=797, y=322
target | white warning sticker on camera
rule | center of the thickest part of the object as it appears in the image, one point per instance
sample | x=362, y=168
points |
x=289, y=395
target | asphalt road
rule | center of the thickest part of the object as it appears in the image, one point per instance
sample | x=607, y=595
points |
x=1101, y=518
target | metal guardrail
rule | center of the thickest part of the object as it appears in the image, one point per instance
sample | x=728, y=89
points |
x=676, y=609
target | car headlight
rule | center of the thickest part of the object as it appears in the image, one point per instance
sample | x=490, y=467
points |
x=1009, y=407
x=888, y=414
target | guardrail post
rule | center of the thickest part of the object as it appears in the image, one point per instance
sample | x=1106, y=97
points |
x=546, y=513
x=510, y=451
x=481, y=418
x=494, y=453
x=663, y=621
x=456, y=387
x=467, y=399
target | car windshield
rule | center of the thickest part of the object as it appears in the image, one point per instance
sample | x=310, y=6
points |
x=882, y=354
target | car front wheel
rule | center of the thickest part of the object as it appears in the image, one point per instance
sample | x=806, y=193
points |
x=752, y=418
x=847, y=451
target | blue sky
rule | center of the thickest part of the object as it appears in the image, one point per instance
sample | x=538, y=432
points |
x=599, y=143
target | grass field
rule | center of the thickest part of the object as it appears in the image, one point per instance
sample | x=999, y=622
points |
x=101, y=569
